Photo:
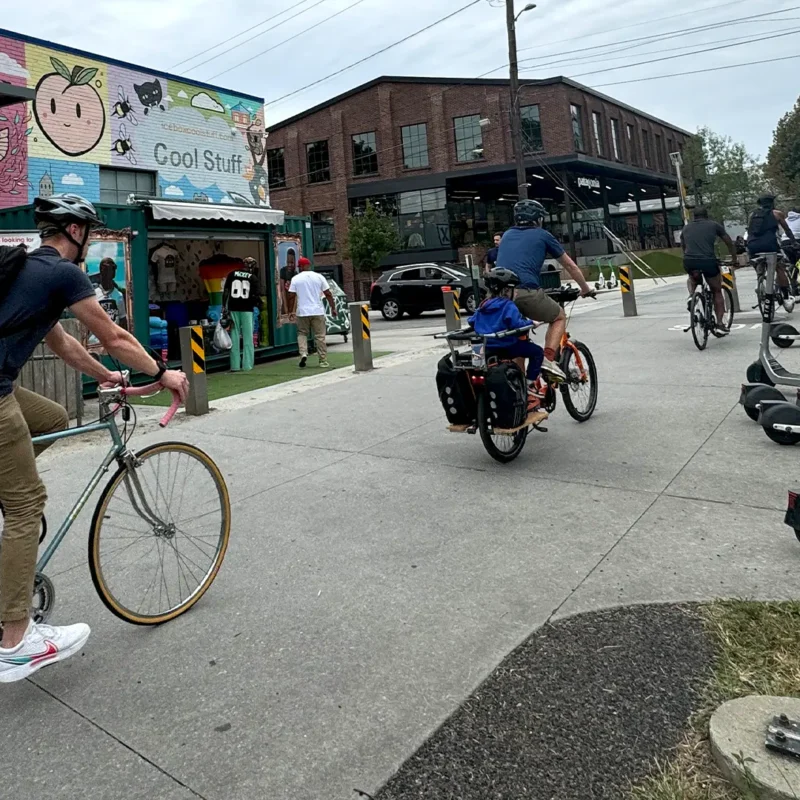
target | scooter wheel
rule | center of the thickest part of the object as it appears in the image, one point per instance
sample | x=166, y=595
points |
x=758, y=394
x=598, y=286
x=783, y=329
x=757, y=374
x=784, y=414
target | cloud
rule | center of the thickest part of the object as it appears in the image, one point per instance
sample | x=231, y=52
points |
x=227, y=200
x=169, y=99
x=183, y=95
x=173, y=191
x=71, y=179
x=10, y=67
x=207, y=102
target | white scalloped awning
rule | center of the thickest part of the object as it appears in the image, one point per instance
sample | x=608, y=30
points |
x=215, y=212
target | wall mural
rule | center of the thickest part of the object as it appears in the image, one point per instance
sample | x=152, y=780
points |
x=205, y=145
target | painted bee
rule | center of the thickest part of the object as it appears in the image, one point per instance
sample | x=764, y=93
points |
x=123, y=145
x=123, y=108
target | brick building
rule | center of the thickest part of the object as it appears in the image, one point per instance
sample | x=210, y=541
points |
x=436, y=155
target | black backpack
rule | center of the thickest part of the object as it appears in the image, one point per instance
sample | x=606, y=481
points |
x=761, y=222
x=12, y=260
x=507, y=395
x=455, y=393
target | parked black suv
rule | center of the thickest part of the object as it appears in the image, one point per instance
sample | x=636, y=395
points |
x=418, y=287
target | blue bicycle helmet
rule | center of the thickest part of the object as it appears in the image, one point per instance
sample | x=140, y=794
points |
x=528, y=212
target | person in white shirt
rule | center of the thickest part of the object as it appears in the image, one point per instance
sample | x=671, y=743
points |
x=309, y=287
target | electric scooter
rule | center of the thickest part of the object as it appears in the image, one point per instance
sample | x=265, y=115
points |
x=761, y=400
x=602, y=282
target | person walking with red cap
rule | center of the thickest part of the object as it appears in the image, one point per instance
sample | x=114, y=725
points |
x=309, y=287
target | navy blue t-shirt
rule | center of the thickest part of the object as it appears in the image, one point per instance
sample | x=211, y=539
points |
x=43, y=289
x=491, y=256
x=524, y=250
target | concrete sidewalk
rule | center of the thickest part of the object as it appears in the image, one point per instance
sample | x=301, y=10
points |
x=380, y=568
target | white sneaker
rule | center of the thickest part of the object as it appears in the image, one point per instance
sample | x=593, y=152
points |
x=41, y=646
x=553, y=370
x=788, y=304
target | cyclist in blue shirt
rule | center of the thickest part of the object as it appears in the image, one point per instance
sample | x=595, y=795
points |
x=523, y=249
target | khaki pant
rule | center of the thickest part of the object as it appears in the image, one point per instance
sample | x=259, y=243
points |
x=23, y=414
x=535, y=304
x=306, y=325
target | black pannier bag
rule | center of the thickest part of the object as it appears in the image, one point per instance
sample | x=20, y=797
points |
x=12, y=260
x=506, y=395
x=455, y=393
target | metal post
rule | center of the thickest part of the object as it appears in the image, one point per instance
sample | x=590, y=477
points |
x=475, y=272
x=573, y=250
x=452, y=311
x=628, y=292
x=516, y=122
x=729, y=280
x=607, y=218
x=677, y=162
x=667, y=237
x=193, y=360
x=639, y=222
x=362, y=338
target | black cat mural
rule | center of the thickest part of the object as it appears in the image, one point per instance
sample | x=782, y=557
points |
x=150, y=95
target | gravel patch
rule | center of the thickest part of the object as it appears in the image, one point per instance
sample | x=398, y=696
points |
x=578, y=711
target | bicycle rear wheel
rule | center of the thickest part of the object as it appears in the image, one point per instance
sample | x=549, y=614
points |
x=580, y=389
x=159, y=533
x=698, y=315
x=501, y=447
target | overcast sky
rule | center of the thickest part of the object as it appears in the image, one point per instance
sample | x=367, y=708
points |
x=575, y=38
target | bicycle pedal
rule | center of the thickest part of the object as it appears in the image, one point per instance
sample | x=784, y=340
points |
x=539, y=428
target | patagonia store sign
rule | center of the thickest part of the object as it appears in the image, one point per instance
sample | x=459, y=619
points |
x=588, y=183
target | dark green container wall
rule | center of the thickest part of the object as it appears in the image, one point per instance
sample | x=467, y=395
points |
x=287, y=334
x=117, y=218
x=135, y=219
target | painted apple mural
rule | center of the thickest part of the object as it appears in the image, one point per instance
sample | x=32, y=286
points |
x=68, y=109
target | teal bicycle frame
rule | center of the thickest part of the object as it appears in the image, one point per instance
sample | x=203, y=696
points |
x=115, y=453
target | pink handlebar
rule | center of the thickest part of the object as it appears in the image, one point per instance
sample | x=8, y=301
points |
x=153, y=388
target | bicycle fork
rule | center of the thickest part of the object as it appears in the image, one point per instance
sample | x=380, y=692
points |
x=139, y=501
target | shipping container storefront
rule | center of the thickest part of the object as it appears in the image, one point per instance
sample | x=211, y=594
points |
x=160, y=264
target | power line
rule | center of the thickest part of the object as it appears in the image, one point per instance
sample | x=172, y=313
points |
x=241, y=33
x=692, y=53
x=290, y=39
x=261, y=33
x=372, y=55
x=662, y=37
x=699, y=71
x=639, y=24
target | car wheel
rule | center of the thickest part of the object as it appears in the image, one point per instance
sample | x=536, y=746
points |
x=391, y=309
x=469, y=302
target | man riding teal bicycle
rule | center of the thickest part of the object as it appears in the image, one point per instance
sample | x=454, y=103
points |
x=34, y=292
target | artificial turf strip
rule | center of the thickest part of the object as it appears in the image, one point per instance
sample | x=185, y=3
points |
x=225, y=384
x=580, y=710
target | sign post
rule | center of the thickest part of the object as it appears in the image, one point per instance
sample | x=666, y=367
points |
x=475, y=272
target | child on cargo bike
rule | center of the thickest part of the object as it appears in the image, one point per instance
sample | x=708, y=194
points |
x=498, y=313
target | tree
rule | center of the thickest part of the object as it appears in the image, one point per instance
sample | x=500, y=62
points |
x=370, y=238
x=783, y=158
x=722, y=175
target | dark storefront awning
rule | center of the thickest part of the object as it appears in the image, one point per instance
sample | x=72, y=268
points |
x=214, y=212
x=14, y=94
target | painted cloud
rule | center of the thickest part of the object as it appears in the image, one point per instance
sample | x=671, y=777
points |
x=207, y=103
x=183, y=95
x=10, y=67
x=173, y=191
x=71, y=179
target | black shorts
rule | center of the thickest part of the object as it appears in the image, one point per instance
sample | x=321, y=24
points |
x=708, y=266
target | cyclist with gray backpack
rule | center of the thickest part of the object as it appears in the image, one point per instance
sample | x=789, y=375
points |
x=762, y=237
x=35, y=289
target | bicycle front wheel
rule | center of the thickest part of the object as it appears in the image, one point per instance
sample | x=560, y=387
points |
x=159, y=533
x=727, y=296
x=580, y=388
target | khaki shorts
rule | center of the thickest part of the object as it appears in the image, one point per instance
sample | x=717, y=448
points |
x=536, y=305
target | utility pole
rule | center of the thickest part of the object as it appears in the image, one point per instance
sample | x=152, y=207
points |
x=516, y=122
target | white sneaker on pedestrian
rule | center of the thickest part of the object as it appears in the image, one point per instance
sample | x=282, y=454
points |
x=788, y=304
x=41, y=646
x=552, y=369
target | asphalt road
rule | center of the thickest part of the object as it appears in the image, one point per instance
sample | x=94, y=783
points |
x=380, y=567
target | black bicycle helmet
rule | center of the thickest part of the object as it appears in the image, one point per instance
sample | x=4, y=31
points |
x=53, y=214
x=528, y=212
x=499, y=278
x=766, y=200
